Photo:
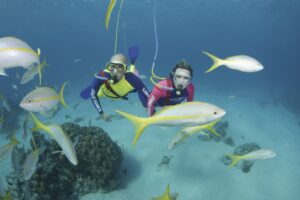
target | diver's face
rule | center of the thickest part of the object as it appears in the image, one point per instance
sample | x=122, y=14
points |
x=181, y=78
x=117, y=70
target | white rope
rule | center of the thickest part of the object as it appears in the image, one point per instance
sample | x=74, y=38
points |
x=156, y=39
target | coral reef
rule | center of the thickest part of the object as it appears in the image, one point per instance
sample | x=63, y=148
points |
x=244, y=165
x=220, y=128
x=99, y=159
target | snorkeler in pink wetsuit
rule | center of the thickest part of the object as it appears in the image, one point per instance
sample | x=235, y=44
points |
x=174, y=90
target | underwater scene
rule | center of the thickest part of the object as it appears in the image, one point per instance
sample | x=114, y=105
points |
x=149, y=100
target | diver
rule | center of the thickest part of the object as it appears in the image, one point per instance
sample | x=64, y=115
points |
x=173, y=90
x=115, y=82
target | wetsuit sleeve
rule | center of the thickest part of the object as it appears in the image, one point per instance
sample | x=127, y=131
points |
x=155, y=95
x=191, y=92
x=97, y=83
x=138, y=84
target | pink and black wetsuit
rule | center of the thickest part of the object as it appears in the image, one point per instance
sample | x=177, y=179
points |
x=163, y=97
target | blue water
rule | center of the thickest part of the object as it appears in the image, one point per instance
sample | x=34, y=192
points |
x=66, y=30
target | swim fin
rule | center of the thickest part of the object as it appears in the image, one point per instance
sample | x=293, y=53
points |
x=133, y=53
x=86, y=93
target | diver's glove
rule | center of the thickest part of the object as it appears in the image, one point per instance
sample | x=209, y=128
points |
x=105, y=117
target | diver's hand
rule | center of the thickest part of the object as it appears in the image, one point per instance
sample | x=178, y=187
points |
x=105, y=117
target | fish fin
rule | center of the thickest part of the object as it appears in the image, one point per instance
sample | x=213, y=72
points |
x=40, y=67
x=185, y=136
x=43, y=64
x=3, y=73
x=139, y=123
x=110, y=8
x=14, y=141
x=61, y=95
x=217, y=61
x=38, y=124
x=38, y=52
x=40, y=74
x=234, y=159
x=210, y=127
x=166, y=194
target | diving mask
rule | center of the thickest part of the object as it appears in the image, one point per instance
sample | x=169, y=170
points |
x=116, y=70
x=116, y=67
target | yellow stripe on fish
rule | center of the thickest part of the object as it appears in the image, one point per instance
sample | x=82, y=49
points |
x=22, y=49
x=46, y=99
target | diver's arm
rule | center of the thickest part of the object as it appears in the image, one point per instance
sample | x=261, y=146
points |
x=191, y=91
x=155, y=95
x=138, y=84
x=95, y=88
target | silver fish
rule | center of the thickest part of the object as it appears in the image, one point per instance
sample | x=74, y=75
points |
x=30, y=164
x=24, y=128
x=6, y=149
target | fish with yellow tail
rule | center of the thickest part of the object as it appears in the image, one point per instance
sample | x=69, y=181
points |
x=190, y=130
x=184, y=114
x=241, y=63
x=43, y=99
x=59, y=136
x=7, y=196
x=167, y=195
x=261, y=154
x=7, y=149
x=16, y=53
x=33, y=71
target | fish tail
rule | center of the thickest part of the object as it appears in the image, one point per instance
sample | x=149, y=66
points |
x=38, y=124
x=210, y=127
x=234, y=159
x=43, y=64
x=108, y=12
x=139, y=123
x=217, y=61
x=61, y=94
x=14, y=140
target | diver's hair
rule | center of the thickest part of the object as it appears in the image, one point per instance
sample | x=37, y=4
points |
x=183, y=64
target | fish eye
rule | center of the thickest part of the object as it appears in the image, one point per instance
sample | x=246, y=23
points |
x=29, y=100
x=215, y=113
